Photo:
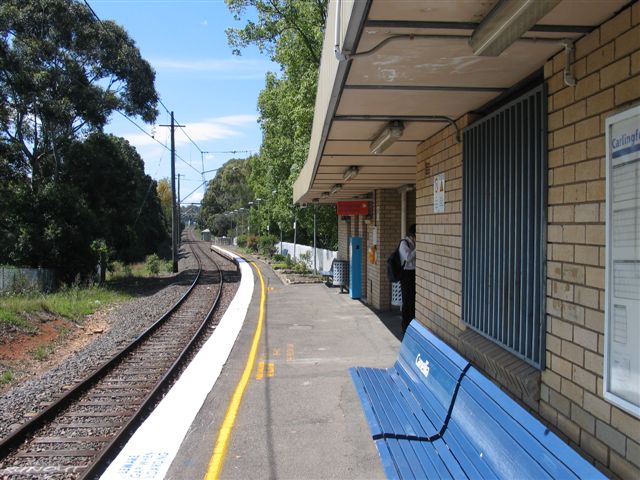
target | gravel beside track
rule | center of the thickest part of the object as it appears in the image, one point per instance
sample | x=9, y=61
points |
x=126, y=322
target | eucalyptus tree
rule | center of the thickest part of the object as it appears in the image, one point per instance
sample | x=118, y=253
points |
x=62, y=73
x=290, y=32
x=229, y=190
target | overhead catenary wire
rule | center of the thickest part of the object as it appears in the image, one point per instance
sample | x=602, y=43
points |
x=167, y=110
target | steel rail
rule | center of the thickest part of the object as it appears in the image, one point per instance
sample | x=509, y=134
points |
x=104, y=458
x=99, y=463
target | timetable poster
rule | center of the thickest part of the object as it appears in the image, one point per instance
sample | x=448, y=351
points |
x=622, y=335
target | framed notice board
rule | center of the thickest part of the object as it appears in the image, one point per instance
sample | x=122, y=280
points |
x=622, y=285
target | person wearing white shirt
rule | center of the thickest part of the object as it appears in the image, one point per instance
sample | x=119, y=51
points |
x=407, y=251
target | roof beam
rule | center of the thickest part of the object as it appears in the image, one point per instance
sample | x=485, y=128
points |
x=415, y=24
x=436, y=88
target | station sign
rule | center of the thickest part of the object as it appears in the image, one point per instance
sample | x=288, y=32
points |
x=622, y=288
x=352, y=208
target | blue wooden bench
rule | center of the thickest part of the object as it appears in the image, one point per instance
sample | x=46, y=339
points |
x=433, y=415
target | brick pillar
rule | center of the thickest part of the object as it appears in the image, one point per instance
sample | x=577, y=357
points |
x=344, y=227
x=386, y=221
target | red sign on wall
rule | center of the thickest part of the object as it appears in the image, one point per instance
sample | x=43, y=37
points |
x=352, y=208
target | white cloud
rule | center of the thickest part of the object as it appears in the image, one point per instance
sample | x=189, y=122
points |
x=209, y=129
x=237, y=68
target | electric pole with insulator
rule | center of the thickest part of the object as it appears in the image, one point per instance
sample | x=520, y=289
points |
x=175, y=229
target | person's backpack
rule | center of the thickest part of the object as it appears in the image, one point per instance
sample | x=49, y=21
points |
x=395, y=265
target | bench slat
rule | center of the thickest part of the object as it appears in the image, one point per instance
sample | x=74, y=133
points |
x=580, y=467
x=383, y=412
x=507, y=457
x=488, y=436
x=372, y=420
x=386, y=459
x=467, y=453
x=422, y=413
x=402, y=410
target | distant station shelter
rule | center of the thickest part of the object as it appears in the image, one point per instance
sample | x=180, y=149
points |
x=509, y=132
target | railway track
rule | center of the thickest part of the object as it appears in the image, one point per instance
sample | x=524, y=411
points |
x=80, y=433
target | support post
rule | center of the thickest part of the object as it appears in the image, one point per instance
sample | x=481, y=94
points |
x=174, y=230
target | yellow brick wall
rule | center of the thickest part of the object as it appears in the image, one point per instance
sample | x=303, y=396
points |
x=439, y=235
x=344, y=229
x=386, y=219
x=607, y=68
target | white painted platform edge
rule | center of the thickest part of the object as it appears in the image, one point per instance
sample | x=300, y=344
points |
x=152, y=448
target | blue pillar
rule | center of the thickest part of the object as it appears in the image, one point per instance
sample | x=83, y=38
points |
x=355, y=268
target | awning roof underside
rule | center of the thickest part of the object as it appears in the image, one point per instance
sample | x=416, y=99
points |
x=420, y=69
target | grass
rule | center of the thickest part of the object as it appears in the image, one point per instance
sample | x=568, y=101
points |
x=72, y=303
x=121, y=271
x=6, y=377
x=42, y=352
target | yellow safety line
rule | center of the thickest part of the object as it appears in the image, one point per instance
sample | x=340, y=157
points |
x=220, y=449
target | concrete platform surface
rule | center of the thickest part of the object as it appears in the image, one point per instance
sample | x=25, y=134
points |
x=300, y=417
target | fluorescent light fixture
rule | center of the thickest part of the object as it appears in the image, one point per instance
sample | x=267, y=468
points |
x=387, y=137
x=336, y=188
x=506, y=23
x=325, y=194
x=350, y=173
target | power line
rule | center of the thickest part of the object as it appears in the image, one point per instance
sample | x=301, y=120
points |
x=158, y=141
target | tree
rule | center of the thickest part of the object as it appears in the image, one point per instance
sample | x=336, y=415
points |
x=291, y=33
x=163, y=191
x=229, y=190
x=62, y=73
x=109, y=173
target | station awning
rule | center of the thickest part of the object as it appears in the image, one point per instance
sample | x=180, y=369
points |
x=411, y=71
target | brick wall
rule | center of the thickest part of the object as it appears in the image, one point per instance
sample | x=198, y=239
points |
x=607, y=68
x=439, y=238
x=344, y=228
x=386, y=220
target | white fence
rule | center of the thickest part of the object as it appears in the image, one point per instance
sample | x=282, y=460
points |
x=27, y=278
x=323, y=257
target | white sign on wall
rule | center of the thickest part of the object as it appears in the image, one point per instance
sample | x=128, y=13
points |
x=438, y=193
x=622, y=307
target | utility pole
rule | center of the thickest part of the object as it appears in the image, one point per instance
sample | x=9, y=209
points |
x=315, y=265
x=179, y=210
x=174, y=216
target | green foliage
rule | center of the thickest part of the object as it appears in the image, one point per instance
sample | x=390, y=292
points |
x=42, y=352
x=227, y=191
x=277, y=257
x=153, y=264
x=72, y=303
x=69, y=71
x=242, y=241
x=62, y=73
x=11, y=319
x=6, y=377
x=291, y=32
x=266, y=245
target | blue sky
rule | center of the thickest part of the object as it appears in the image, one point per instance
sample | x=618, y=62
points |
x=211, y=91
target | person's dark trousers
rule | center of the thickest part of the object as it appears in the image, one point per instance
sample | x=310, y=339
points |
x=408, y=285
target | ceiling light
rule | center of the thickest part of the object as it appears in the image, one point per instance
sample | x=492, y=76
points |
x=387, y=137
x=350, y=173
x=325, y=194
x=506, y=23
x=336, y=188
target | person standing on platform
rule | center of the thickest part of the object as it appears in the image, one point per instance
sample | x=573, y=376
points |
x=407, y=251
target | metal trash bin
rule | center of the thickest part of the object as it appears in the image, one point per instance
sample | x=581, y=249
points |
x=340, y=273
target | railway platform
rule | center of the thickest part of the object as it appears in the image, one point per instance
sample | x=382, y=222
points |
x=283, y=404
